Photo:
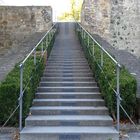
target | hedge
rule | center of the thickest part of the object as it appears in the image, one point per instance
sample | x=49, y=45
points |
x=10, y=87
x=106, y=80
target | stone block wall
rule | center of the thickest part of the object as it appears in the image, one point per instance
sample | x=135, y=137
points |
x=117, y=21
x=19, y=22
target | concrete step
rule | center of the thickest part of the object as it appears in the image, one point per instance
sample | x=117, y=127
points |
x=68, y=110
x=66, y=67
x=63, y=53
x=69, y=95
x=53, y=74
x=68, y=64
x=69, y=133
x=66, y=61
x=67, y=71
x=68, y=57
x=67, y=89
x=69, y=120
x=71, y=54
x=70, y=84
x=79, y=79
x=68, y=102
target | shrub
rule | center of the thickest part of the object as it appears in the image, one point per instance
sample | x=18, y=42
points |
x=106, y=80
x=10, y=87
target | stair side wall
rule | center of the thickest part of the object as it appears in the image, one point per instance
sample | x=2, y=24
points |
x=116, y=21
x=21, y=21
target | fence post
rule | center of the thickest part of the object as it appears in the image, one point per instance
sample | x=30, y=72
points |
x=118, y=98
x=21, y=97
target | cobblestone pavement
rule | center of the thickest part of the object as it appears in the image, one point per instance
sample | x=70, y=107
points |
x=16, y=53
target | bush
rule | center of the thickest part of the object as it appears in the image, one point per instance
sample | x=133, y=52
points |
x=106, y=80
x=10, y=87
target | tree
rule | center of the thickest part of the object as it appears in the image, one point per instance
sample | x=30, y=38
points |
x=75, y=11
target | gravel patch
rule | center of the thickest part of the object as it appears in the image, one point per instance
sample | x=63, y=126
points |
x=9, y=133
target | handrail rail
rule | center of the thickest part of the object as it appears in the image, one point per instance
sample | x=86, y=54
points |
x=105, y=51
x=117, y=91
x=118, y=67
x=22, y=63
x=19, y=105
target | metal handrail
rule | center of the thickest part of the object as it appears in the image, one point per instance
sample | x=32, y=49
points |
x=37, y=45
x=118, y=67
x=117, y=92
x=105, y=51
x=33, y=51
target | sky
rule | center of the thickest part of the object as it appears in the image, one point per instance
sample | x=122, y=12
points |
x=59, y=6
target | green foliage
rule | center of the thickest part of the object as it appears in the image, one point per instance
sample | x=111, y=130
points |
x=48, y=41
x=106, y=78
x=75, y=12
x=10, y=87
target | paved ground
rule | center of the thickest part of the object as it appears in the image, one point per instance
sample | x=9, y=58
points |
x=9, y=133
x=131, y=136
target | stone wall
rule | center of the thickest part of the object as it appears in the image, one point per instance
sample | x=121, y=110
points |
x=17, y=23
x=117, y=21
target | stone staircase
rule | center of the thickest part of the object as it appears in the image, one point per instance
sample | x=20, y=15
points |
x=68, y=104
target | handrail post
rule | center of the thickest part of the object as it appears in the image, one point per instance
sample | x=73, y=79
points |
x=49, y=37
x=93, y=50
x=82, y=33
x=118, y=98
x=42, y=47
x=80, y=29
x=88, y=41
x=46, y=40
x=21, y=97
x=35, y=57
x=102, y=58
